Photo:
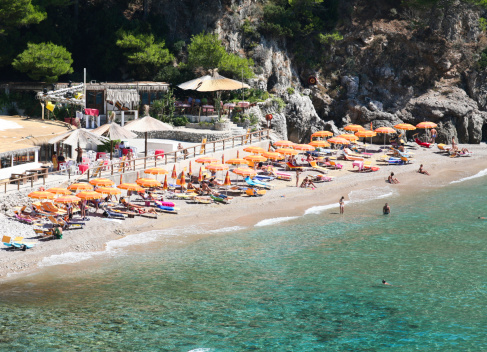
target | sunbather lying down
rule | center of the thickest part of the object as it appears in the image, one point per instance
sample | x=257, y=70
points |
x=137, y=208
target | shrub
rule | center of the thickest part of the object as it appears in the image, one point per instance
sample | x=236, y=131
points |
x=180, y=121
x=280, y=103
x=290, y=90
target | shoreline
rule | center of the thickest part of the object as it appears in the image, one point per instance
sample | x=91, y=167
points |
x=284, y=201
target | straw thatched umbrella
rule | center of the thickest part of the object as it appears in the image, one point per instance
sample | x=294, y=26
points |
x=147, y=124
x=114, y=132
x=78, y=136
x=213, y=83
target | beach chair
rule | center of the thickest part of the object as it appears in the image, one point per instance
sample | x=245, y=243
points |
x=315, y=166
x=259, y=184
x=44, y=233
x=423, y=144
x=406, y=160
x=348, y=152
x=290, y=166
x=23, y=219
x=444, y=148
x=49, y=207
x=17, y=243
x=335, y=165
x=252, y=192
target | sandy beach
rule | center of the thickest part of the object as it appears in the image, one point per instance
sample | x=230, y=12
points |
x=285, y=200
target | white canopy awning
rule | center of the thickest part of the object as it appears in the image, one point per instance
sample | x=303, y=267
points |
x=124, y=96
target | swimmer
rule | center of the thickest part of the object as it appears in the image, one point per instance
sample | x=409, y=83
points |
x=386, y=210
x=385, y=283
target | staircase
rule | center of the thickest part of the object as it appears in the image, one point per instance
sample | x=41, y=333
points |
x=236, y=131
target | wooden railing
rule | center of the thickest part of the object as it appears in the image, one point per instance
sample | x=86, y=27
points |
x=149, y=161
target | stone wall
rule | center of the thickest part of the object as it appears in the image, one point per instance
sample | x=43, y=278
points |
x=188, y=135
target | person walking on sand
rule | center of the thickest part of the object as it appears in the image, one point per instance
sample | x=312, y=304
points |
x=386, y=210
x=297, y=177
x=342, y=205
x=422, y=171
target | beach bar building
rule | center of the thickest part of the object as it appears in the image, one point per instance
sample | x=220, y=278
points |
x=18, y=159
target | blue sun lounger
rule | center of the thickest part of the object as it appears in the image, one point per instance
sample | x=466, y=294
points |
x=253, y=183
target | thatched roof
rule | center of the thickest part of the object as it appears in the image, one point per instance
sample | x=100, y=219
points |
x=213, y=83
x=124, y=96
x=147, y=124
x=114, y=131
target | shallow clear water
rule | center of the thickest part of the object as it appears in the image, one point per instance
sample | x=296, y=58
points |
x=306, y=284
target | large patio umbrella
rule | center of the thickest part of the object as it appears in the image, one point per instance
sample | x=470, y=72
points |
x=147, y=182
x=206, y=160
x=114, y=132
x=80, y=187
x=147, y=124
x=338, y=140
x=354, y=128
x=426, y=125
x=272, y=156
x=256, y=150
x=321, y=134
x=89, y=195
x=287, y=151
x=365, y=134
x=59, y=190
x=405, y=127
x=156, y=171
x=41, y=195
x=303, y=147
x=319, y=144
x=213, y=83
x=76, y=137
x=349, y=137
x=102, y=182
x=67, y=199
x=283, y=144
x=385, y=130
x=108, y=190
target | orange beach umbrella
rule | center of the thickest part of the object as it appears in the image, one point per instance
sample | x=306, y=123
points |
x=227, y=181
x=80, y=187
x=255, y=158
x=108, y=190
x=217, y=167
x=354, y=128
x=322, y=134
x=174, y=173
x=237, y=161
x=89, y=195
x=385, y=130
x=183, y=179
x=190, y=171
x=59, y=190
x=41, y=195
x=200, y=175
x=131, y=187
x=206, y=160
x=338, y=140
x=405, y=127
x=147, y=182
x=287, y=151
x=365, y=134
x=319, y=144
x=156, y=171
x=102, y=182
x=272, y=155
x=67, y=199
x=245, y=172
x=426, y=124
x=164, y=186
x=303, y=147
x=283, y=144
x=252, y=149
x=349, y=137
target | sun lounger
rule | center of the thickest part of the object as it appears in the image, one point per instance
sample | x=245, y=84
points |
x=24, y=219
x=444, y=148
x=252, y=192
x=315, y=166
x=263, y=178
x=44, y=233
x=422, y=144
x=321, y=178
x=202, y=200
x=406, y=160
x=253, y=183
x=48, y=206
x=335, y=165
x=293, y=167
x=219, y=198
x=17, y=243
x=348, y=152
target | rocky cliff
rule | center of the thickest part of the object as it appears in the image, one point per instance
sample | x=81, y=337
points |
x=395, y=64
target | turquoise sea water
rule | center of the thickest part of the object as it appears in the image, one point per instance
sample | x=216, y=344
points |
x=312, y=283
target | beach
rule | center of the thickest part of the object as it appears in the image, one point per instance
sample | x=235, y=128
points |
x=280, y=204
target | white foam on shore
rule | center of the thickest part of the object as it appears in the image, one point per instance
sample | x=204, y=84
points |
x=321, y=208
x=274, y=221
x=8, y=125
x=368, y=194
x=114, y=246
x=227, y=229
x=481, y=173
x=201, y=350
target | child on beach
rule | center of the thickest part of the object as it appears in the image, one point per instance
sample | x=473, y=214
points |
x=342, y=205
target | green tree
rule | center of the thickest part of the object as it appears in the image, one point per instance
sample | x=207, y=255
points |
x=18, y=13
x=207, y=51
x=144, y=53
x=44, y=61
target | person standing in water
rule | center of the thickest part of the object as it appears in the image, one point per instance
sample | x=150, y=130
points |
x=342, y=205
x=386, y=210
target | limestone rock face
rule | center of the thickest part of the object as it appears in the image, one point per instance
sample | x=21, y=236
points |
x=456, y=114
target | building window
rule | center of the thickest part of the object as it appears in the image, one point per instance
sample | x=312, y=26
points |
x=20, y=159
